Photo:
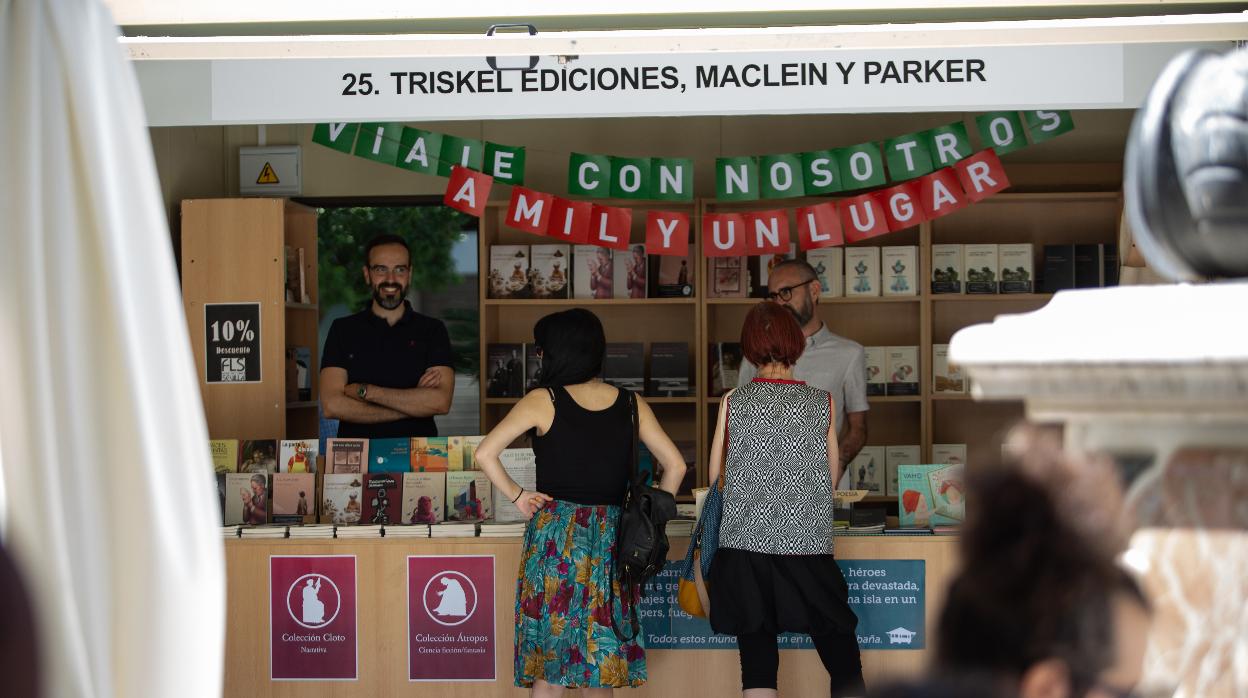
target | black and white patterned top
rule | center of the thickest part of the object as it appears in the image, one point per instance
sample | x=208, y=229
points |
x=778, y=491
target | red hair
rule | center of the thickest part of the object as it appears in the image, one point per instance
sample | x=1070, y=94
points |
x=771, y=335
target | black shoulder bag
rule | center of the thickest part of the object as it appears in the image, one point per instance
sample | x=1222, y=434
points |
x=641, y=536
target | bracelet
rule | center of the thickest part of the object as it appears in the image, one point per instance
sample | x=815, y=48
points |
x=518, y=496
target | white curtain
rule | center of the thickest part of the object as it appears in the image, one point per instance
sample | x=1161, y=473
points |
x=111, y=511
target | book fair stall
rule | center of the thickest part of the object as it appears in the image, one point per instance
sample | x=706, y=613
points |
x=935, y=180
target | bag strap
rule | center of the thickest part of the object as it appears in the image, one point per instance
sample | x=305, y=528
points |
x=625, y=582
x=632, y=408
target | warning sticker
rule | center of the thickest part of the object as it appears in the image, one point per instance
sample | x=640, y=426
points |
x=267, y=175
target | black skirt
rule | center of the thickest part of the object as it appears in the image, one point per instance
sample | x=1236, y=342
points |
x=760, y=593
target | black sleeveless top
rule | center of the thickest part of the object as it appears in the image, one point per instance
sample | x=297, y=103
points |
x=586, y=455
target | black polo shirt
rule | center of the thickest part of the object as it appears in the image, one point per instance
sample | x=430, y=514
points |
x=374, y=352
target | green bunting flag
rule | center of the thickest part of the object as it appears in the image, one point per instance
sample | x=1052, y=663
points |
x=671, y=179
x=780, y=176
x=589, y=175
x=736, y=179
x=1002, y=131
x=630, y=177
x=465, y=152
x=1043, y=125
x=340, y=137
x=821, y=172
x=908, y=156
x=948, y=144
x=419, y=151
x=379, y=142
x=861, y=166
x=505, y=163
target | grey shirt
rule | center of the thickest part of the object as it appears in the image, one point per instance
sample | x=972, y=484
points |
x=832, y=363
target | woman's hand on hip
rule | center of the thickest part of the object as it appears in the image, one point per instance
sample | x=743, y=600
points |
x=530, y=502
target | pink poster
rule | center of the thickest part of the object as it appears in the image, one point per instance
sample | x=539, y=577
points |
x=450, y=618
x=312, y=618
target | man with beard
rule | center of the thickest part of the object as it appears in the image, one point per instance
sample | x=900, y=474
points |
x=830, y=362
x=387, y=369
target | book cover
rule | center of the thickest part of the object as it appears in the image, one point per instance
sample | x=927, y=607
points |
x=902, y=367
x=877, y=383
x=949, y=454
x=947, y=378
x=630, y=273
x=548, y=271
x=509, y=271
x=430, y=454
x=946, y=269
x=346, y=455
x=900, y=265
x=455, y=453
x=980, y=262
x=669, y=370
x=724, y=362
x=504, y=366
x=532, y=367
x=829, y=266
x=623, y=365
x=593, y=272
x=866, y=470
x=895, y=456
x=389, y=455
x=862, y=271
x=521, y=466
x=246, y=498
x=424, y=498
x=303, y=373
x=930, y=495
x=1088, y=266
x=294, y=495
x=468, y=496
x=672, y=275
x=382, y=499
x=342, y=499
x=258, y=456
x=298, y=456
x=1059, y=268
x=224, y=455
x=1017, y=267
x=470, y=451
x=728, y=277
x=1109, y=257
x=760, y=269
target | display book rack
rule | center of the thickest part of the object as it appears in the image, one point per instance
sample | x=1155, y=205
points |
x=920, y=320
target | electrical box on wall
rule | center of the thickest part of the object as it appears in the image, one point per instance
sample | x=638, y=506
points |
x=275, y=170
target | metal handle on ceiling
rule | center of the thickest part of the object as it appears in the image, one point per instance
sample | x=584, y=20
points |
x=493, y=60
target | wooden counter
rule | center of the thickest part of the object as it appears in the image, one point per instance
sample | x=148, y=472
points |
x=381, y=577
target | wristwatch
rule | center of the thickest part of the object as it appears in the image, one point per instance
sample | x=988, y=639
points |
x=363, y=391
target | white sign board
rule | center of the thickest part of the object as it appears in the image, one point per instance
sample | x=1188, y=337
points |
x=774, y=82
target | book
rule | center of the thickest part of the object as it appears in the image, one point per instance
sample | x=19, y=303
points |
x=424, y=498
x=405, y=531
x=470, y=452
x=263, y=531
x=258, y=456
x=725, y=367
x=292, y=275
x=509, y=272
x=504, y=367
x=728, y=277
x=829, y=266
x=669, y=370
x=303, y=372
x=294, y=497
x=454, y=529
x=1089, y=266
x=311, y=531
x=593, y=272
x=549, y=271
x=630, y=273
x=359, y=531
x=521, y=466
x=980, y=262
x=500, y=529
x=298, y=456
x=389, y=455
x=867, y=519
x=1017, y=271
x=455, y=453
x=1109, y=266
x=876, y=377
x=947, y=378
x=1059, y=268
x=224, y=455
x=760, y=267
x=862, y=271
x=430, y=454
x=930, y=495
x=900, y=265
x=346, y=455
x=623, y=365
x=895, y=456
x=468, y=496
x=342, y=498
x=532, y=367
x=902, y=366
x=672, y=276
x=946, y=269
x=949, y=454
x=382, y=499
x=243, y=489
x=303, y=285
x=221, y=490
x=866, y=470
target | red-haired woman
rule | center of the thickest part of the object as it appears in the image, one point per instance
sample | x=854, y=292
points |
x=775, y=446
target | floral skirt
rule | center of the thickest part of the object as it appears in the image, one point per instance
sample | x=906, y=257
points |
x=563, y=620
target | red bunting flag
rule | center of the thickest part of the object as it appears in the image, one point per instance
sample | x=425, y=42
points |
x=724, y=234
x=819, y=226
x=862, y=217
x=667, y=233
x=569, y=221
x=610, y=226
x=940, y=193
x=901, y=206
x=467, y=191
x=529, y=210
x=981, y=175
x=767, y=232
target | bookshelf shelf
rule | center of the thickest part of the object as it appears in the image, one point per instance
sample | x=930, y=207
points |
x=291, y=305
x=649, y=400
x=301, y=405
x=953, y=397
x=991, y=297
x=836, y=301
x=574, y=302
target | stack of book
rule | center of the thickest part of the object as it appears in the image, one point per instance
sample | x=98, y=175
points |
x=407, y=531
x=864, y=520
x=266, y=531
x=493, y=529
x=229, y=531
x=370, y=531
x=312, y=531
x=680, y=527
x=453, y=529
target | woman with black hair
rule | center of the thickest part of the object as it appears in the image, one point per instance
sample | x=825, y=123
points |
x=582, y=438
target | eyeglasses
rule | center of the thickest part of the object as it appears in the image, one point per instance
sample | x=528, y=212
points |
x=382, y=270
x=786, y=293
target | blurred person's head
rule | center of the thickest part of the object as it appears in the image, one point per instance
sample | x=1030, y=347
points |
x=571, y=345
x=771, y=335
